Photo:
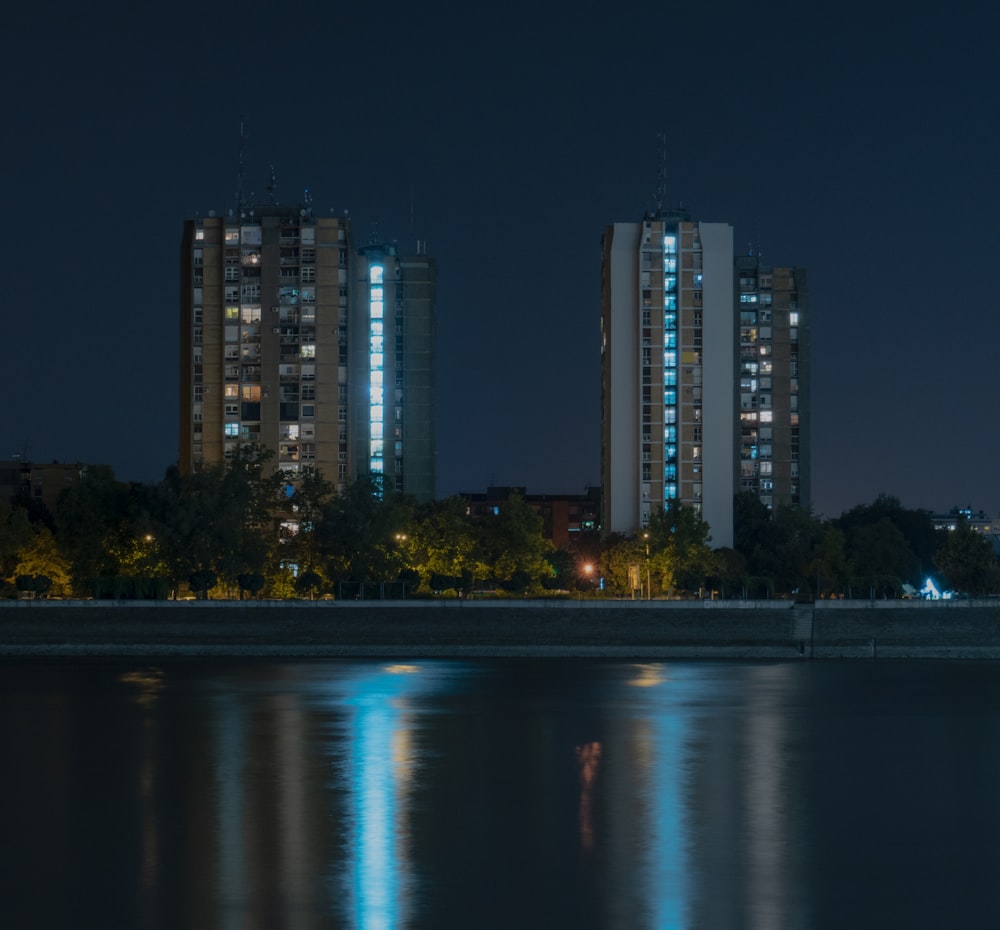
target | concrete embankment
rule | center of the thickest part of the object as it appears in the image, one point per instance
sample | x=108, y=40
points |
x=657, y=629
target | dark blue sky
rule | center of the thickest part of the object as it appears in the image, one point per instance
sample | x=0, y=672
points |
x=860, y=144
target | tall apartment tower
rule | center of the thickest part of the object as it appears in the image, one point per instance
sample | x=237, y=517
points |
x=296, y=341
x=704, y=375
x=668, y=350
x=774, y=448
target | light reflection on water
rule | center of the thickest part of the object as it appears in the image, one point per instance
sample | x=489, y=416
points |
x=443, y=794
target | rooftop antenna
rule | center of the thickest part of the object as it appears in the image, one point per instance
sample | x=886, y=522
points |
x=239, y=190
x=661, y=171
x=272, y=188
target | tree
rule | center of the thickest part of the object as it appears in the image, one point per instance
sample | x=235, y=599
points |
x=300, y=509
x=967, y=561
x=880, y=550
x=621, y=557
x=250, y=582
x=829, y=565
x=680, y=555
x=443, y=547
x=357, y=537
x=35, y=585
x=512, y=545
x=906, y=553
x=308, y=583
x=15, y=534
x=41, y=558
x=92, y=519
x=202, y=581
x=219, y=517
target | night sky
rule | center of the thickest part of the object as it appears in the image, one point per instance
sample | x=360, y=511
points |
x=861, y=143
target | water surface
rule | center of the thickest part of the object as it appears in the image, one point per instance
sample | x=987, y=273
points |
x=513, y=793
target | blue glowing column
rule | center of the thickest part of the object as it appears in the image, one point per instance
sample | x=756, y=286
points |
x=669, y=368
x=376, y=369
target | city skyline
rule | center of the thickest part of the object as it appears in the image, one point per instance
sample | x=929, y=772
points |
x=507, y=144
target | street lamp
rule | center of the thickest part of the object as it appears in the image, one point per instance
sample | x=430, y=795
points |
x=649, y=589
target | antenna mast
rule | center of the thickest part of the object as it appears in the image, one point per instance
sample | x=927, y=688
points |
x=661, y=171
x=272, y=188
x=240, y=202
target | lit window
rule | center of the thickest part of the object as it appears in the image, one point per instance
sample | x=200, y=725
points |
x=199, y=234
x=793, y=318
x=231, y=390
x=308, y=351
x=766, y=416
x=232, y=429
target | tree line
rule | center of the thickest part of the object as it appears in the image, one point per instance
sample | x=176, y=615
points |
x=243, y=530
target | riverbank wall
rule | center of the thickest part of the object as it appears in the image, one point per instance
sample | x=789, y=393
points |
x=631, y=629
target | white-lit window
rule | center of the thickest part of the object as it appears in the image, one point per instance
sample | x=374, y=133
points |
x=766, y=416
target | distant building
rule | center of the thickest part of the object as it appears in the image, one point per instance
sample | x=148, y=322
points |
x=564, y=516
x=977, y=520
x=296, y=340
x=704, y=375
x=39, y=481
x=774, y=448
x=668, y=352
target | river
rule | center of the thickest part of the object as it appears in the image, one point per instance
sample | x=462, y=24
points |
x=512, y=793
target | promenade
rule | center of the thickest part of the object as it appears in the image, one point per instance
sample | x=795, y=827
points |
x=619, y=629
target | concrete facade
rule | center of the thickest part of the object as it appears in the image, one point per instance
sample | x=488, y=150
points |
x=286, y=343
x=667, y=372
x=704, y=375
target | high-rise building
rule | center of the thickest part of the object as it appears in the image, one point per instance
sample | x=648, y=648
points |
x=704, y=388
x=296, y=341
x=774, y=448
